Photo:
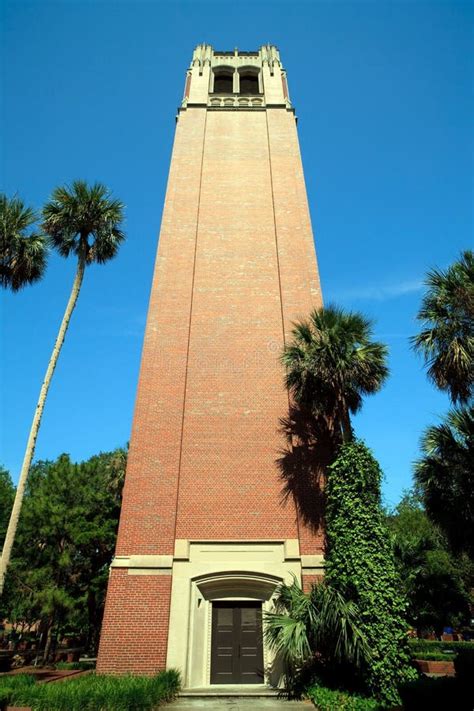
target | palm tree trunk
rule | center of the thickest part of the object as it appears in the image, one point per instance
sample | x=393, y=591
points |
x=347, y=435
x=30, y=447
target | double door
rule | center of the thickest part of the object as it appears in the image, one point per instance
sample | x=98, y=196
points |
x=236, y=647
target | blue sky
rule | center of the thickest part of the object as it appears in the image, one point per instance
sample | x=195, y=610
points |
x=385, y=100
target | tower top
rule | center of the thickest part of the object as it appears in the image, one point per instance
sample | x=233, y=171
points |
x=267, y=54
x=236, y=79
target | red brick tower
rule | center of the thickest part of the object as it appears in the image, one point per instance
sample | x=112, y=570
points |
x=204, y=537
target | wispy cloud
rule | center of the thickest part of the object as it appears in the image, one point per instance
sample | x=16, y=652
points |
x=135, y=326
x=378, y=292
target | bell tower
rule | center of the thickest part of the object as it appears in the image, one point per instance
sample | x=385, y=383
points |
x=205, y=535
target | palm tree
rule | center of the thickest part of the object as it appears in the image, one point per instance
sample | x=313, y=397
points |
x=332, y=363
x=447, y=339
x=444, y=476
x=319, y=625
x=22, y=257
x=82, y=220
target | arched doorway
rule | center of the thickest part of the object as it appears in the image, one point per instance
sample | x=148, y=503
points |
x=226, y=643
x=244, y=576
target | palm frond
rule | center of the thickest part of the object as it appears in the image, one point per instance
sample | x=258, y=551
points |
x=321, y=622
x=446, y=340
x=22, y=257
x=332, y=362
x=84, y=220
x=444, y=475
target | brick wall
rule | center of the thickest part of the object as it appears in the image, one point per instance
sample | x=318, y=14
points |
x=135, y=627
x=147, y=523
x=309, y=580
x=235, y=267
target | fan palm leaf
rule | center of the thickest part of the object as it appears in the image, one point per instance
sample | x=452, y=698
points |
x=446, y=340
x=22, y=257
x=331, y=363
x=321, y=622
x=445, y=476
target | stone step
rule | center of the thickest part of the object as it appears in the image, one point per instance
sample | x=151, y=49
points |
x=227, y=690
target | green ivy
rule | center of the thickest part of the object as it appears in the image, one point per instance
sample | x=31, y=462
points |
x=360, y=563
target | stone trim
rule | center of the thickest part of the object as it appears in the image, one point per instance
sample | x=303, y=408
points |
x=310, y=562
x=182, y=549
x=205, y=570
x=150, y=571
x=145, y=562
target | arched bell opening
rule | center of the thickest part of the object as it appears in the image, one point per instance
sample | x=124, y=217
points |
x=249, y=81
x=223, y=80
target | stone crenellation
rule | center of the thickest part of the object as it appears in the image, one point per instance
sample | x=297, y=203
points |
x=263, y=71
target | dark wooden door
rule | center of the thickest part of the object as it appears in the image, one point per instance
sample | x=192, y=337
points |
x=236, y=648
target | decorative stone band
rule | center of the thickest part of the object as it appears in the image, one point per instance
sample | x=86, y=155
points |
x=312, y=564
x=236, y=101
x=232, y=102
x=185, y=550
x=145, y=564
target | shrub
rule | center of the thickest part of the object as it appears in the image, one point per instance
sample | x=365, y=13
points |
x=332, y=700
x=433, y=645
x=83, y=665
x=434, y=656
x=65, y=666
x=464, y=667
x=438, y=651
x=317, y=634
x=434, y=693
x=360, y=563
x=93, y=692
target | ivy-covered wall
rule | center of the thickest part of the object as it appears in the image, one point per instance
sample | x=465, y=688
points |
x=360, y=563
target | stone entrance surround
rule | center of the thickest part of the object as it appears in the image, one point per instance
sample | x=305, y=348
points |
x=207, y=571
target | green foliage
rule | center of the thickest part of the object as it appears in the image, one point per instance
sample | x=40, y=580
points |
x=444, y=476
x=435, y=694
x=423, y=646
x=64, y=546
x=332, y=363
x=333, y=700
x=93, y=692
x=436, y=582
x=7, y=494
x=84, y=220
x=72, y=666
x=10, y=685
x=22, y=257
x=464, y=667
x=360, y=563
x=316, y=629
x=447, y=339
x=434, y=656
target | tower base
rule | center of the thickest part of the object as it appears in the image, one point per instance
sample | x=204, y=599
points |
x=184, y=591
